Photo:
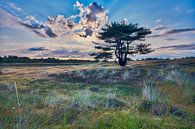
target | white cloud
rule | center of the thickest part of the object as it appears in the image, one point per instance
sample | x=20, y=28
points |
x=158, y=21
x=191, y=11
x=91, y=19
x=15, y=7
x=80, y=7
x=60, y=25
x=177, y=8
x=32, y=20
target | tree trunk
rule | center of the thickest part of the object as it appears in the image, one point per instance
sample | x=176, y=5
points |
x=120, y=54
x=122, y=61
x=122, y=57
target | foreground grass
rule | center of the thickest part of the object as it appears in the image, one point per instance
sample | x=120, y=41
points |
x=147, y=97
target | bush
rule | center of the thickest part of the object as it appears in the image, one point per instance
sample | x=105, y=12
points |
x=65, y=115
x=94, y=89
x=127, y=120
x=177, y=112
x=114, y=103
x=159, y=109
x=145, y=106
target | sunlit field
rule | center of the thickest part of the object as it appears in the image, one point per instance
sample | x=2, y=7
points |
x=97, y=64
x=142, y=95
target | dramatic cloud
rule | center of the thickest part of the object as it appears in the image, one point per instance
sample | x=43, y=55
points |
x=60, y=25
x=91, y=19
x=8, y=20
x=37, y=49
x=190, y=46
x=39, y=28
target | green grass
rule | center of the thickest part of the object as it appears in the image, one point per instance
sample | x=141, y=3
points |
x=99, y=97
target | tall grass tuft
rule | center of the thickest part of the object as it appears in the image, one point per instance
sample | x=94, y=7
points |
x=85, y=99
x=109, y=96
x=18, y=124
x=150, y=92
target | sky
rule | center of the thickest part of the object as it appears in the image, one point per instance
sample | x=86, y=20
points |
x=66, y=28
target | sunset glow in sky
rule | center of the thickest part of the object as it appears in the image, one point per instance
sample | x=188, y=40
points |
x=66, y=28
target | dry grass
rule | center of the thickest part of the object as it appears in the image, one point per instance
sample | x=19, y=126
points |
x=75, y=97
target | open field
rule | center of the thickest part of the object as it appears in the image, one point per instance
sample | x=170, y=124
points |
x=142, y=95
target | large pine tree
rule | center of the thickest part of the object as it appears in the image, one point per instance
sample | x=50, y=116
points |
x=119, y=38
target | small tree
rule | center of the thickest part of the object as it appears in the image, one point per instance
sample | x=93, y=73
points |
x=118, y=37
x=102, y=56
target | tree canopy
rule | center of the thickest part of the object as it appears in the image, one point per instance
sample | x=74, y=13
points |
x=119, y=39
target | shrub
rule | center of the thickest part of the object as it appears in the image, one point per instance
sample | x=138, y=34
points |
x=159, y=109
x=145, y=106
x=114, y=103
x=174, y=110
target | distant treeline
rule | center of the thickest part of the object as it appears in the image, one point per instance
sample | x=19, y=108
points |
x=167, y=58
x=16, y=59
